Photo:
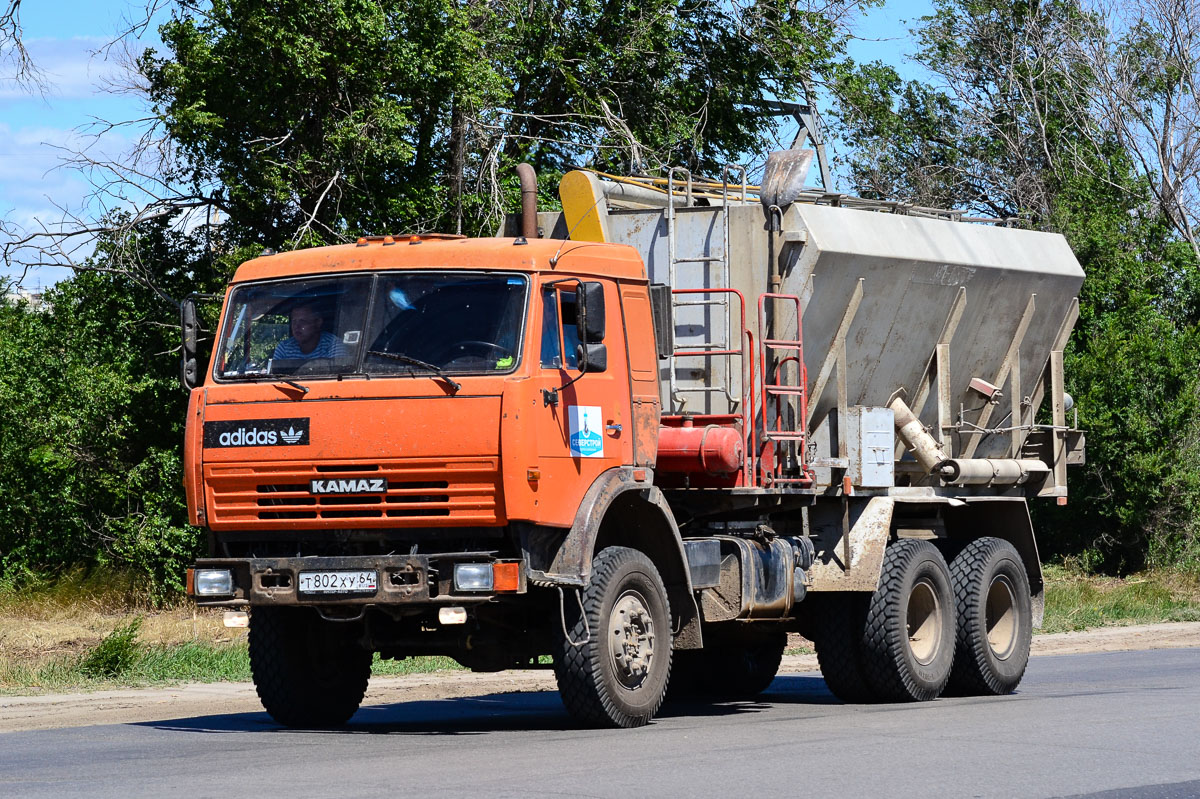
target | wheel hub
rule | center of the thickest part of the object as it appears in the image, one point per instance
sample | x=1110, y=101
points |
x=924, y=622
x=631, y=633
x=1001, y=618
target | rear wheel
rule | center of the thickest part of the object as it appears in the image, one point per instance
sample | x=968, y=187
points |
x=308, y=672
x=995, y=618
x=838, y=625
x=731, y=666
x=908, y=640
x=614, y=665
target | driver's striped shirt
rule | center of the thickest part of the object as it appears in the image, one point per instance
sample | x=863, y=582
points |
x=327, y=347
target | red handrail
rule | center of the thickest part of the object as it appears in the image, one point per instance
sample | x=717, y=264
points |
x=746, y=354
x=800, y=436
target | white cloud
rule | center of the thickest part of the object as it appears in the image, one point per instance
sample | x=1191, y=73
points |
x=39, y=132
x=72, y=69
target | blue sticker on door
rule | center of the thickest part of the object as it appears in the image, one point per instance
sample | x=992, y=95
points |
x=587, y=439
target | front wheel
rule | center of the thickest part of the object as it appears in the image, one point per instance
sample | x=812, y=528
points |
x=614, y=664
x=308, y=672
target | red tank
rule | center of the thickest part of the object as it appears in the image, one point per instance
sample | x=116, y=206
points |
x=714, y=450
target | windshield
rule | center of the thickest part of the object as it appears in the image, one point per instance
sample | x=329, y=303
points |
x=390, y=323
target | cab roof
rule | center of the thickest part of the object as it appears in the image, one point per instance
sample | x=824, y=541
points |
x=551, y=256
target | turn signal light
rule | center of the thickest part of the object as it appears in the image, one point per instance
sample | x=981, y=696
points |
x=506, y=576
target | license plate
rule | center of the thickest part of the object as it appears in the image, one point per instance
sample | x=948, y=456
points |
x=338, y=582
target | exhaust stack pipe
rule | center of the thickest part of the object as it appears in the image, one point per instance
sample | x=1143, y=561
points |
x=529, y=220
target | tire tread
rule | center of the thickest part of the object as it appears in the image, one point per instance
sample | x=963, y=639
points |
x=839, y=647
x=970, y=675
x=883, y=645
x=579, y=670
x=285, y=682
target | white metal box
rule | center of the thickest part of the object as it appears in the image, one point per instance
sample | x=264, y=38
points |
x=870, y=436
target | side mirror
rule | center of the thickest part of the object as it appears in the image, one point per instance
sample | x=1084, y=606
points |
x=589, y=313
x=189, y=325
x=664, y=330
x=592, y=357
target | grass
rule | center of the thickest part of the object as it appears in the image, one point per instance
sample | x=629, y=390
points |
x=1075, y=601
x=87, y=632
x=91, y=631
x=191, y=661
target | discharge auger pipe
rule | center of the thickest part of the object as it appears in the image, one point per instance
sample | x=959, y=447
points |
x=529, y=221
x=960, y=471
x=925, y=448
x=992, y=471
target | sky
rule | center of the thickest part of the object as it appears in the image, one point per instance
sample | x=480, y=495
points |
x=67, y=39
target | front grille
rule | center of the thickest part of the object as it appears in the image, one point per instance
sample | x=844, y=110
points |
x=255, y=495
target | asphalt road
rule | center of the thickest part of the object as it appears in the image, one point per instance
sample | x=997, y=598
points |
x=1117, y=724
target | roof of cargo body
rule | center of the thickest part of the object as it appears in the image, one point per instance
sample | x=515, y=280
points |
x=903, y=239
x=603, y=260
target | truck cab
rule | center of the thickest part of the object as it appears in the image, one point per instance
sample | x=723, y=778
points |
x=395, y=437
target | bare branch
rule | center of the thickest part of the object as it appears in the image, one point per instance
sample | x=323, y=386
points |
x=16, y=64
x=1146, y=98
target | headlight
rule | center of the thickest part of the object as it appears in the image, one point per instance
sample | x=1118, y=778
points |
x=214, y=582
x=472, y=577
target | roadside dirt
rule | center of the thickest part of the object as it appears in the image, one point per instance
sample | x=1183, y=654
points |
x=19, y=713
x=36, y=632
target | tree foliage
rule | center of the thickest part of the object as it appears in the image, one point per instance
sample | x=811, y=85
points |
x=91, y=420
x=1008, y=127
x=285, y=124
x=288, y=123
x=310, y=122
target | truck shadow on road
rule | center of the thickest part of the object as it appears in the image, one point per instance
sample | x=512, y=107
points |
x=531, y=711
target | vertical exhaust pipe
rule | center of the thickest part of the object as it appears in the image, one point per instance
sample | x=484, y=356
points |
x=529, y=221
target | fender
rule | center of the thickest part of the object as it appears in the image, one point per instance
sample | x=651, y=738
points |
x=618, y=510
x=850, y=538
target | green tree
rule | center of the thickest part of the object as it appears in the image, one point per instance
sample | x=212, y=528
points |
x=311, y=122
x=91, y=422
x=1008, y=128
x=286, y=124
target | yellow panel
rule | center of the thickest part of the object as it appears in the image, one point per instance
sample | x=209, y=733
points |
x=584, y=208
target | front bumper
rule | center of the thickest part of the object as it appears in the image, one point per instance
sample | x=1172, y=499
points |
x=401, y=580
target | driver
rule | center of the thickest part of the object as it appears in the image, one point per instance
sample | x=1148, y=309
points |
x=308, y=340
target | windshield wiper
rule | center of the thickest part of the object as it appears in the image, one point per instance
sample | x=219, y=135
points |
x=292, y=384
x=395, y=356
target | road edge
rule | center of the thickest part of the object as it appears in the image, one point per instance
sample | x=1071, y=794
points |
x=148, y=705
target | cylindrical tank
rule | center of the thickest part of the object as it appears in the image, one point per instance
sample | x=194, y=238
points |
x=714, y=450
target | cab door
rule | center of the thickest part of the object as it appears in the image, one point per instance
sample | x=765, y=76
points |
x=582, y=422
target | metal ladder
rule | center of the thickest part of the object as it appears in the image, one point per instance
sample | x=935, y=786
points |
x=720, y=302
x=784, y=443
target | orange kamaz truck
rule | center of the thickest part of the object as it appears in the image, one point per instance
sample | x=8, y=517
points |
x=641, y=439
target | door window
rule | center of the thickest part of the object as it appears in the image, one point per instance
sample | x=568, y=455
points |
x=559, y=339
